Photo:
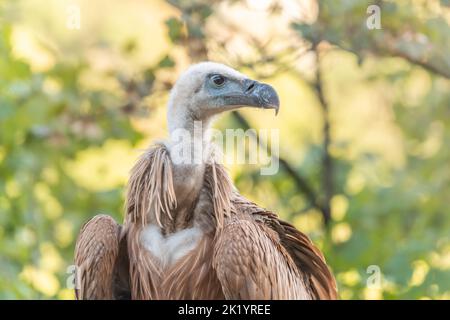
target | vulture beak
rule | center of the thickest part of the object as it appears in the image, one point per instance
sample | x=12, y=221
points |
x=255, y=94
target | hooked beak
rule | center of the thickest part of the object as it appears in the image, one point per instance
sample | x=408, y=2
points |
x=255, y=94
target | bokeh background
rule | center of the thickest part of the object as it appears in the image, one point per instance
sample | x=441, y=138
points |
x=364, y=126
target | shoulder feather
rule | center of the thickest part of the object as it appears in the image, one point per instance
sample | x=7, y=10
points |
x=150, y=187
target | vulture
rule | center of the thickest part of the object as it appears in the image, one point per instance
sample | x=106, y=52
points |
x=187, y=232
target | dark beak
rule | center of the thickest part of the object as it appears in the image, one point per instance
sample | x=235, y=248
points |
x=255, y=94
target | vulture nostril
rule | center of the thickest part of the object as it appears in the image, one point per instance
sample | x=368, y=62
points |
x=250, y=87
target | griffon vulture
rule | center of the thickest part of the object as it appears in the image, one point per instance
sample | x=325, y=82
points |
x=188, y=233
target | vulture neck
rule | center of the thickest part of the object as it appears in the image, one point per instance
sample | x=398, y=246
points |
x=188, y=138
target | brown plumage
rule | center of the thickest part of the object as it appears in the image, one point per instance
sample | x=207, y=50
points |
x=188, y=234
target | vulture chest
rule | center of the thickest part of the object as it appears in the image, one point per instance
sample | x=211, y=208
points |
x=183, y=263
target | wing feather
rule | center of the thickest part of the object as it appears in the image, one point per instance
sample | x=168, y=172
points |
x=310, y=260
x=96, y=253
x=250, y=263
x=257, y=254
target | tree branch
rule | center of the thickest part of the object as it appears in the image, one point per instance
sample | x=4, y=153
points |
x=327, y=161
x=299, y=181
x=423, y=55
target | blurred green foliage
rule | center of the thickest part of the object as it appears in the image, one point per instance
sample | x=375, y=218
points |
x=74, y=113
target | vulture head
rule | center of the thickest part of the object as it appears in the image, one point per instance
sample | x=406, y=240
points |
x=207, y=89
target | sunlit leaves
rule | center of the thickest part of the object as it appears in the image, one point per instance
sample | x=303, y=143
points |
x=175, y=29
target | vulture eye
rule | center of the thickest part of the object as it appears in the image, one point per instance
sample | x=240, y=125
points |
x=218, y=80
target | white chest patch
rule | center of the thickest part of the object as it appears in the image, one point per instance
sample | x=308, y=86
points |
x=168, y=249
